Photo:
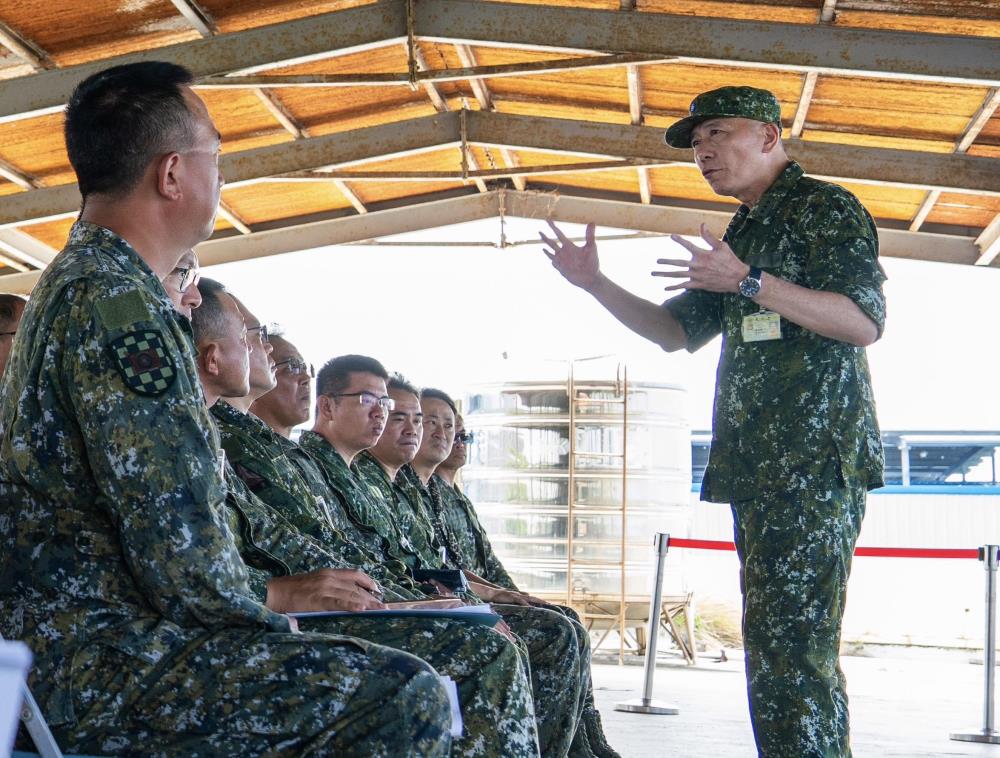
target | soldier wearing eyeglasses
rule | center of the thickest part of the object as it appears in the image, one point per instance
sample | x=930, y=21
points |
x=293, y=572
x=117, y=565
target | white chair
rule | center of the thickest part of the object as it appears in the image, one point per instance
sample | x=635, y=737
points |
x=15, y=660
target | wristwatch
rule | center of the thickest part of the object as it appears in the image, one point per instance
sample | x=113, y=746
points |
x=750, y=286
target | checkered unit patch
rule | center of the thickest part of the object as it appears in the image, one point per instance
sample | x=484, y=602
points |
x=143, y=362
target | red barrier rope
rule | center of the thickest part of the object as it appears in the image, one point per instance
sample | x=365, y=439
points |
x=879, y=552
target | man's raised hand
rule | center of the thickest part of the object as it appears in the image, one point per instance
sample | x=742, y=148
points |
x=716, y=269
x=577, y=263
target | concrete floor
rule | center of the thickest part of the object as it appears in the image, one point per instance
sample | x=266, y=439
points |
x=899, y=707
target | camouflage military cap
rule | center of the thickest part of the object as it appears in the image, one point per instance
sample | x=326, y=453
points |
x=725, y=102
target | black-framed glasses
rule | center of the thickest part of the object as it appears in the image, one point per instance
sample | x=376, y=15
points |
x=295, y=367
x=186, y=277
x=265, y=331
x=8, y=334
x=466, y=438
x=370, y=399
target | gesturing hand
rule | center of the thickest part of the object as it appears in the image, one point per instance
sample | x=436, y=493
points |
x=577, y=263
x=714, y=270
x=324, y=590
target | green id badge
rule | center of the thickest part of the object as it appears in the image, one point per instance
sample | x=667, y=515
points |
x=762, y=326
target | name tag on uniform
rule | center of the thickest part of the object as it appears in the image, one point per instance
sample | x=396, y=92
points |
x=762, y=326
x=222, y=463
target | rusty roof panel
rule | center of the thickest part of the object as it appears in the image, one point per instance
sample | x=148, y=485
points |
x=37, y=147
x=72, y=33
x=268, y=201
x=52, y=233
x=787, y=11
x=236, y=15
x=966, y=210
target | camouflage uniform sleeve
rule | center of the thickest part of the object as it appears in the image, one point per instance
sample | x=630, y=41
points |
x=699, y=314
x=844, y=255
x=154, y=459
x=273, y=534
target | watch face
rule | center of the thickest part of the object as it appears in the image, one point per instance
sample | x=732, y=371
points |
x=749, y=287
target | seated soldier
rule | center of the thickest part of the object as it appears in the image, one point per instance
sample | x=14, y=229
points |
x=459, y=516
x=11, y=310
x=296, y=573
x=440, y=412
x=117, y=564
x=353, y=408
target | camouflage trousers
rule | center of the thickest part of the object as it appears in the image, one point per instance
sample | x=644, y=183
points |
x=559, y=654
x=491, y=673
x=256, y=693
x=795, y=554
x=589, y=740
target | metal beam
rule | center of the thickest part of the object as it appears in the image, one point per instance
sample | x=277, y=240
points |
x=988, y=243
x=673, y=220
x=808, y=87
x=336, y=150
x=802, y=47
x=20, y=178
x=351, y=196
x=950, y=173
x=976, y=124
x=905, y=168
x=828, y=12
x=303, y=39
x=26, y=248
x=25, y=49
x=348, y=229
x=197, y=16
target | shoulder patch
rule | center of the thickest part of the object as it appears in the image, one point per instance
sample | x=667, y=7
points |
x=142, y=360
x=122, y=310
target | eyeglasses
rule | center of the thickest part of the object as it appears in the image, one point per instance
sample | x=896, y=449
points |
x=186, y=277
x=263, y=329
x=8, y=334
x=466, y=438
x=369, y=399
x=295, y=367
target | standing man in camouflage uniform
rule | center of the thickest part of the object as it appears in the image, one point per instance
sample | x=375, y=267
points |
x=117, y=566
x=795, y=289
x=297, y=574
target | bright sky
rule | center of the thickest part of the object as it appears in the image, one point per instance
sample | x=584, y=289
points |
x=445, y=316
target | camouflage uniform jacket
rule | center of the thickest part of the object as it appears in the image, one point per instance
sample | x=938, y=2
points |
x=262, y=459
x=356, y=505
x=472, y=542
x=388, y=513
x=794, y=414
x=271, y=546
x=285, y=477
x=112, y=526
x=428, y=509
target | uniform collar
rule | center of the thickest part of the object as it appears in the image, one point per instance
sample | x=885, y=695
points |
x=230, y=415
x=86, y=233
x=776, y=193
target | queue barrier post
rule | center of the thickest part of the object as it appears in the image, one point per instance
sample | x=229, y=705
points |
x=990, y=556
x=646, y=704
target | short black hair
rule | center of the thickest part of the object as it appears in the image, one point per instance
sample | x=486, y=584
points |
x=429, y=393
x=399, y=382
x=208, y=319
x=335, y=376
x=10, y=305
x=121, y=118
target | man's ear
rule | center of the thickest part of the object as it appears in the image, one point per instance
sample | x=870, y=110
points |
x=324, y=407
x=167, y=182
x=208, y=359
x=772, y=137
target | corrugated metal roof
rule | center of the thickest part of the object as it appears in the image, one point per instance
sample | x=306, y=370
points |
x=882, y=96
